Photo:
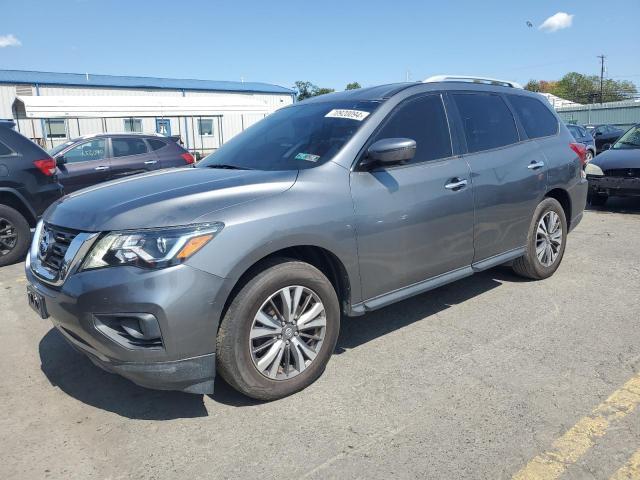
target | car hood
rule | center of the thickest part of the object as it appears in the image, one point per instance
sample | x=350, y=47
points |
x=622, y=158
x=164, y=198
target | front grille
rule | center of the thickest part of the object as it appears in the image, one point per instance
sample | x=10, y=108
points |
x=623, y=172
x=53, y=246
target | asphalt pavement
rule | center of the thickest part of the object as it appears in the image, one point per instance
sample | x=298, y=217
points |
x=490, y=377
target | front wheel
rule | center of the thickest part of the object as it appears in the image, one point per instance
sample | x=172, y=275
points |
x=279, y=331
x=546, y=242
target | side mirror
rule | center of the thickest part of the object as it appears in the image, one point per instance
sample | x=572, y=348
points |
x=598, y=134
x=60, y=160
x=389, y=151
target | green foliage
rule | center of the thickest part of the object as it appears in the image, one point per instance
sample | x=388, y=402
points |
x=581, y=88
x=308, y=90
x=353, y=86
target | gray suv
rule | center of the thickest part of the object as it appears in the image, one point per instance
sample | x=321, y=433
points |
x=340, y=204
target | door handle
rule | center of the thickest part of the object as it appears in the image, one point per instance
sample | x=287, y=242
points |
x=535, y=165
x=101, y=167
x=456, y=184
x=151, y=162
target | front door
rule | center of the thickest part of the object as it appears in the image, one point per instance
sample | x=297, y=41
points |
x=413, y=221
x=84, y=165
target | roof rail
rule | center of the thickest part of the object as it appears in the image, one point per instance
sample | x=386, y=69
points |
x=472, y=79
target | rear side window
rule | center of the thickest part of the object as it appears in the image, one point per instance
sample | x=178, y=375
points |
x=423, y=120
x=156, y=144
x=128, y=146
x=537, y=120
x=4, y=150
x=487, y=121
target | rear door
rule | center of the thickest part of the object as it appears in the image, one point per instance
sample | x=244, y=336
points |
x=509, y=175
x=413, y=221
x=130, y=156
x=85, y=164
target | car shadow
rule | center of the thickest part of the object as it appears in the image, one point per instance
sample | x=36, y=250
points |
x=356, y=331
x=626, y=205
x=79, y=378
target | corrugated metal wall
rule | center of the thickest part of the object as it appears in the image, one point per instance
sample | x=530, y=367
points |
x=224, y=127
x=622, y=114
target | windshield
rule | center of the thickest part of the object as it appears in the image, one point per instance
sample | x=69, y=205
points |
x=56, y=150
x=631, y=139
x=293, y=138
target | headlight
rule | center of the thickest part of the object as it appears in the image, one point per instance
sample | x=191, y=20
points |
x=153, y=248
x=592, y=169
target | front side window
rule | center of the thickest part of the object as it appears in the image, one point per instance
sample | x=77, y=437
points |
x=631, y=139
x=487, y=121
x=93, y=150
x=133, y=125
x=537, y=120
x=423, y=120
x=302, y=136
x=205, y=127
x=55, y=128
x=128, y=146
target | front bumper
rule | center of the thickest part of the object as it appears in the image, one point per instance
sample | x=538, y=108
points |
x=614, y=186
x=185, y=302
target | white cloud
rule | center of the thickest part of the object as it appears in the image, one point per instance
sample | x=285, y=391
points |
x=9, y=41
x=557, y=22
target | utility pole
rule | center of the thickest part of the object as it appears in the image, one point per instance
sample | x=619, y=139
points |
x=601, y=57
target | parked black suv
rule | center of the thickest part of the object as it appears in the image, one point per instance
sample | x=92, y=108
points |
x=28, y=185
x=604, y=135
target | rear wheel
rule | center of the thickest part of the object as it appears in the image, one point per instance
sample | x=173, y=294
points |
x=588, y=156
x=545, y=243
x=15, y=236
x=279, y=331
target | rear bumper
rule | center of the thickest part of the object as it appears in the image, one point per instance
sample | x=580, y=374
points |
x=614, y=186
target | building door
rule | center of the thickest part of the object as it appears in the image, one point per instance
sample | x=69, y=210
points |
x=163, y=126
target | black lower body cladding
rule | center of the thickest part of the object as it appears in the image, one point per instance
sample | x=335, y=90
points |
x=185, y=302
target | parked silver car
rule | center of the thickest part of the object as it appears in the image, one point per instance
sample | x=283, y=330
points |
x=341, y=204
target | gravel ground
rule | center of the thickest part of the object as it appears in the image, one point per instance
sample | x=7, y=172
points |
x=471, y=380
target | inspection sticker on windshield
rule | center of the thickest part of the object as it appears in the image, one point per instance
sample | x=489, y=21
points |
x=308, y=157
x=358, y=115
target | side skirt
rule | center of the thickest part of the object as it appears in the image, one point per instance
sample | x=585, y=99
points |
x=434, y=282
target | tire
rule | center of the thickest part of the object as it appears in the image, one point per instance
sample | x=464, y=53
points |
x=588, y=156
x=15, y=236
x=237, y=360
x=530, y=265
x=598, y=200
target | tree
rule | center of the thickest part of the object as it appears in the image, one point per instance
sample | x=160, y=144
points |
x=581, y=88
x=353, y=86
x=308, y=90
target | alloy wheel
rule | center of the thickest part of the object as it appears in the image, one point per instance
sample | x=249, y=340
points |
x=8, y=236
x=549, y=238
x=287, y=332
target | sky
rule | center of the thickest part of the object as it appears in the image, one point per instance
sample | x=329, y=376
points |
x=328, y=42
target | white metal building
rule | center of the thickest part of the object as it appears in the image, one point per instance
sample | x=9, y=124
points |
x=53, y=107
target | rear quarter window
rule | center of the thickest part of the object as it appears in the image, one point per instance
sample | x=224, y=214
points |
x=536, y=118
x=4, y=150
x=156, y=144
x=487, y=121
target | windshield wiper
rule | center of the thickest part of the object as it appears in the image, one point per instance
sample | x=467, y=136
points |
x=227, y=166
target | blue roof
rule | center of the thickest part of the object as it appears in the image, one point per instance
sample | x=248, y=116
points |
x=91, y=80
